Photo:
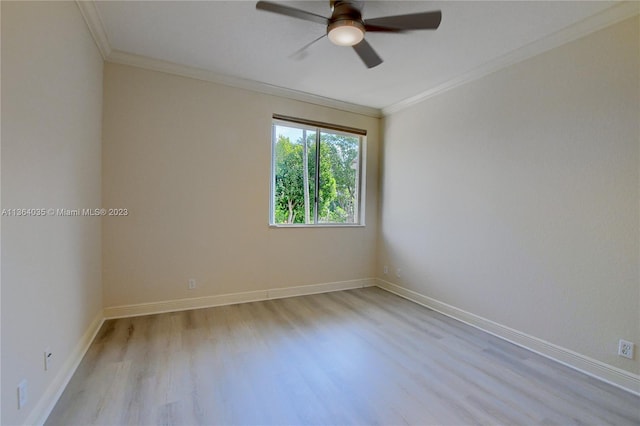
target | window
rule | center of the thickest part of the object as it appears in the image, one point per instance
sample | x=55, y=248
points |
x=316, y=173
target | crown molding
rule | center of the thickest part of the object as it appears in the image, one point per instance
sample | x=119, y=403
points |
x=124, y=58
x=610, y=16
x=91, y=16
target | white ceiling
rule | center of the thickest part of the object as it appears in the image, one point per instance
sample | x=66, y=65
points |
x=232, y=38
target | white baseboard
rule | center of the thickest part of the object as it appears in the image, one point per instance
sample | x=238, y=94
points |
x=607, y=373
x=594, y=368
x=231, y=298
x=45, y=405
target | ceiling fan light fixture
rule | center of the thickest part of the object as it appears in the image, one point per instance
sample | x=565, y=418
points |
x=345, y=32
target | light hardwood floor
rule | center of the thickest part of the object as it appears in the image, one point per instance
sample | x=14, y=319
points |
x=361, y=356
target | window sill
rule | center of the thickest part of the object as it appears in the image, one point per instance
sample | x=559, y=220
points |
x=322, y=225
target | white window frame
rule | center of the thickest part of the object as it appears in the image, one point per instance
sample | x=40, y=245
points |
x=319, y=127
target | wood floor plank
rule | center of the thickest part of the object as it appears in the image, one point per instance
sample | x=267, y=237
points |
x=353, y=357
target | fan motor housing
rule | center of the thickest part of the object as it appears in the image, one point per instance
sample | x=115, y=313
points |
x=345, y=11
x=345, y=14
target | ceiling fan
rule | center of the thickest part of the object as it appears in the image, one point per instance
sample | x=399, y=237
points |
x=346, y=27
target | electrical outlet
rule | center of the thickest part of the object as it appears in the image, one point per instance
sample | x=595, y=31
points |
x=192, y=284
x=22, y=394
x=385, y=269
x=398, y=272
x=48, y=357
x=625, y=349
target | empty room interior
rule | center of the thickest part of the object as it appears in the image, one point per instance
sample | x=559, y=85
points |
x=320, y=212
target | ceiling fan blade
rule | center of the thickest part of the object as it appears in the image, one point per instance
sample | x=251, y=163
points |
x=300, y=53
x=367, y=54
x=291, y=11
x=414, y=21
x=378, y=29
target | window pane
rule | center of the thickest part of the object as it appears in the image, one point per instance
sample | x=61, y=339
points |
x=339, y=171
x=294, y=186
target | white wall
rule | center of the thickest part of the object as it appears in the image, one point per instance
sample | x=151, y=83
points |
x=191, y=162
x=516, y=197
x=51, y=132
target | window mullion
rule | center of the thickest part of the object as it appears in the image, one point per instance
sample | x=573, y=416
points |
x=317, y=179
